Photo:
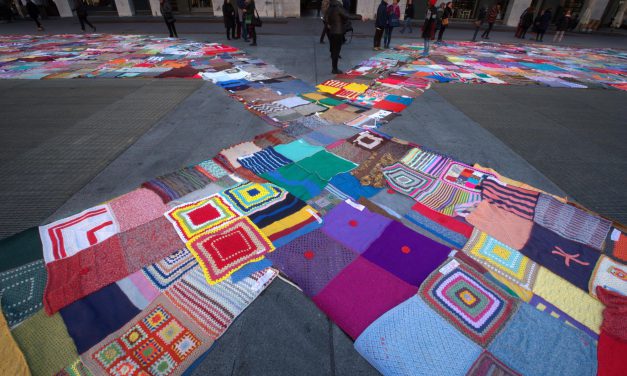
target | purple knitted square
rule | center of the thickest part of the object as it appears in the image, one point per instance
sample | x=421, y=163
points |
x=354, y=228
x=407, y=254
x=360, y=294
x=312, y=260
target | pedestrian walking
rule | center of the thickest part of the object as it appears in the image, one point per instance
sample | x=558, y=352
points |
x=562, y=24
x=336, y=19
x=324, y=6
x=446, y=16
x=380, y=23
x=228, y=13
x=241, y=12
x=81, y=11
x=492, y=15
x=525, y=21
x=409, y=15
x=481, y=16
x=168, y=17
x=252, y=19
x=394, y=20
x=33, y=12
x=428, y=27
x=541, y=24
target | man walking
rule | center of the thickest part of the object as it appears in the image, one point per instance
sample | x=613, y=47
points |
x=479, y=21
x=409, y=15
x=81, y=12
x=324, y=6
x=33, y=12
x=492, y=15
x=336, y=17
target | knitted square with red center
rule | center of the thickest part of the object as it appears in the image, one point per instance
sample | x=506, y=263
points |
x=225, y=249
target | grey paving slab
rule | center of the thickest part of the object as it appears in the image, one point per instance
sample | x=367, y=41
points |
x=574, y=137
x=44, y=165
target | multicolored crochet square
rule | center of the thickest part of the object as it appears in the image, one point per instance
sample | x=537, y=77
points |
x=405, y=180
x=251, y=197
x=463, y=176
x=164, y=273
x=367, y=141
x=196, y=217
x=500, y=259
x=428, y=163
x=225, y=249
x=157, y=344
x=489, y=365
x=478, y=308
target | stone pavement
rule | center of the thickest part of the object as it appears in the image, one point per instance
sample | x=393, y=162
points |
x=94, y=139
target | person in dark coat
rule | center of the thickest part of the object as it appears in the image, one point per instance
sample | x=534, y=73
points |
x=336, y=20
x=525, y=21
x=168, y=17
x=562, y=25
x=541, y=24
x=33, y=12
x=409, y=15
x=446, y=16
x=481, y=16
x=228, y=13
x=324, y=6
x=394, y=15
x=250, y=15
x=380, y=23
x=492, y=15
x=81, y=12
x=428, y=27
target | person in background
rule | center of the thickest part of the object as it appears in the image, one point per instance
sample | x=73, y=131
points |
x=562, y=24
x=394, y=16
x=541, y=24
x=250, y=15
x=228, y=12
x=525, y=21
x=428, y=27
x=446, y=16
x=336, y=18
x=238, y=22
x=241, y=11
x=380, y=23
x=438, y=20
x=324, y=6
x=33, y=12
x=409, y=15
x=168, y=17
x=481, y=16
x=492, y=15
x=81, y=12
x=347, y=5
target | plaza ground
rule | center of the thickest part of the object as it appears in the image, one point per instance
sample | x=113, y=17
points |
x=70, y=144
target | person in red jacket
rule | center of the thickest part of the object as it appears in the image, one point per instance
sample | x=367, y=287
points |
x=493, y=13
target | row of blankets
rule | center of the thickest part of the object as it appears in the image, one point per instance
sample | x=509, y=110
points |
x=430, y=264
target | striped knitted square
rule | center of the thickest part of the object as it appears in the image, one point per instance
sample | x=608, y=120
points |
x=519, y=201
x=478, y=308
x=195, y=217
x=177, y=184
x=500, y=259
x=405, y=180
x=445, y=198
x=164, y=273
x=426, y=162
x=570, y=222
x=225, y=249
x=263, y=161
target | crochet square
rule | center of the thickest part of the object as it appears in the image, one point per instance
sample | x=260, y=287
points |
x=164, y=273
x=407, y=254
x=125, y=367
x=312, y=260
x=251, y=197
x=610, y=275
x=109, y=354
x=156, y=318
x=263, y=161
x=368, y=141
x=68, y=236
x=164, y=366
x=133, y=337
x=463, y=176
x=360, y=294
x=147, y=352
x=475, y=306
x=487, y=364
x=225, y=249
x=404, y=180
x=429, y=163
x=501, y=259
x=196, y=217
x=170, y=331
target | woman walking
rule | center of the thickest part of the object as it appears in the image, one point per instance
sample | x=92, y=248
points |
x=409, y=15
x=394, y=16
x=428, y=27
x=228, y=12
x=81, y=12
x=562, y=25
x=380, y=23
x=168, y=17
x=492, y=15
x=542, y=24
x=250, y=21
x=33, y=12
x=446, y=16
x=526, y=20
